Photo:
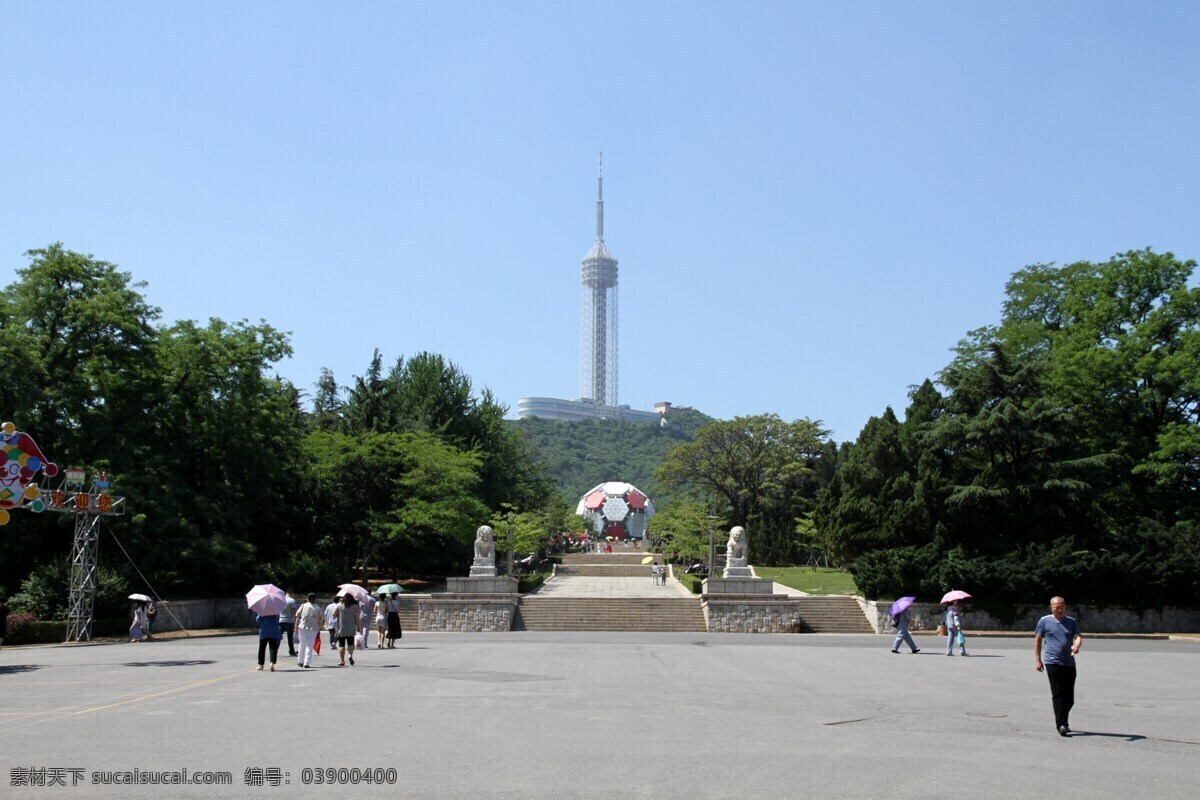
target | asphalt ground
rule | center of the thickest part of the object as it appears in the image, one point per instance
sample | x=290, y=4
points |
x=601, y=715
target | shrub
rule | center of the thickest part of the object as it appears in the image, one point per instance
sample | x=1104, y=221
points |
x=26, y=628
x=527, y=583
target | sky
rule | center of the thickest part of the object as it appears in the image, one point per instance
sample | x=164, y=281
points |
x=811, y=203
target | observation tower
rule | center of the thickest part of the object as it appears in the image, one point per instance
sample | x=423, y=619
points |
x=598, y=316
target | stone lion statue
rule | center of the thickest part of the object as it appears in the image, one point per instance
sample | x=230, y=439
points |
x=485, y=546
x=735, y=551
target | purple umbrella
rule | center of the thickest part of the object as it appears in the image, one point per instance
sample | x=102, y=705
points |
x=901, y=605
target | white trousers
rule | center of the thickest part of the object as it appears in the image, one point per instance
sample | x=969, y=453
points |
x=307, y=638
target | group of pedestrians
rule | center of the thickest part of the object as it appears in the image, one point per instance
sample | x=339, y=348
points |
x=345, y=619
x=1056, y=642
x=387, y=621
x=144, y=612
x=954, y=634
x=659, y=573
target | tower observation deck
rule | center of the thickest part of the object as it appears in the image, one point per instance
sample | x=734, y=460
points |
x=598, y=317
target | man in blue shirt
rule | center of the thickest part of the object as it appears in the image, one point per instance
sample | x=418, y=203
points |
x=1062, y=641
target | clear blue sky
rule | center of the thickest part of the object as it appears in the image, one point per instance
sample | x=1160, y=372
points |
x=810, y=204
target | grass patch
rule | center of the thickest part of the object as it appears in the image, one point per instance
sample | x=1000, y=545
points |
x=813, y=581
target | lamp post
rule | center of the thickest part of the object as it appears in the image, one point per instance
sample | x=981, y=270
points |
x=510, y=546
x=712, y=545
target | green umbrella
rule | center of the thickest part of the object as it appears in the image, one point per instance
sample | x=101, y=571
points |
x=390, y=588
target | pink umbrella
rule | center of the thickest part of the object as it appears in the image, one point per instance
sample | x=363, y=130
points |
x=955, y=595
x=359, y=592
x=266, y=599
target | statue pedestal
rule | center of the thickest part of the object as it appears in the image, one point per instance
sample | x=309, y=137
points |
x=476, y=604
x=739, y=584
x=746, y=605
x=483, y=570
x=738, y=572
x=481, y=584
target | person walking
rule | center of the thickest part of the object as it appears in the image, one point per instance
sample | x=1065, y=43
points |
x=394, y=631
x=137, y=627
x=269, y=634
x=151, y=615
x=900, y=622
x=954, y=630
x=345, y=619
x=330, y=623
x=1056, y=642
x=381, y=620
x=308, y=628
x=287, y=619
x=3, y=620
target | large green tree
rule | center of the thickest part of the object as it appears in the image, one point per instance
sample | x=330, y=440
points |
x=759, y=472
x=1062, y=457
x=402, y=502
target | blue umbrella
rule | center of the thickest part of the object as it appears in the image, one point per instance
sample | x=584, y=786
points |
x=901, y=605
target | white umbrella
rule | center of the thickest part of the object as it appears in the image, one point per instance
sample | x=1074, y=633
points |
x=141, y=598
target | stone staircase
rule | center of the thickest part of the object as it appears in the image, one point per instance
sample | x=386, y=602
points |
x=620, y=564
x=659, y=614
x=408, y=611
x=831, y=614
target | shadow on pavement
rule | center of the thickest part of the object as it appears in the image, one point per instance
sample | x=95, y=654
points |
x=13, y=669
x=1129, y=737
x=183, y=663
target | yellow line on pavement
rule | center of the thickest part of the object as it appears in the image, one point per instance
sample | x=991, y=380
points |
x=152, y=695
x=36, y=717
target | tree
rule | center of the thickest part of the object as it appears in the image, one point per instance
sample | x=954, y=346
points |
x=76, y=340
x=370, y=407
x=209, y=465
x=391, y=500
x=328, y=405
x=684, y=524
x=760, y=470
x=1064, y=455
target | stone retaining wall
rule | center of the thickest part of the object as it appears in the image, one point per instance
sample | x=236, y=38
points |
x=466, y=615
x=727, y=615
x=174, y=615
x=927, y=616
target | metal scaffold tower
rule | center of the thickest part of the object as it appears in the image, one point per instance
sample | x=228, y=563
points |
x=21, y=461
x=89, y=508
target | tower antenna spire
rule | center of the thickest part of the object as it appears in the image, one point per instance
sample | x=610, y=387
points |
x=600, y=203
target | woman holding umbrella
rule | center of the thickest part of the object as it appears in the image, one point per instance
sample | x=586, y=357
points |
x=392, y=609
x=899, y=615
x=266, y=600
x=137, y=627
x=954, y=622
x=345, y=620
x=269, y=634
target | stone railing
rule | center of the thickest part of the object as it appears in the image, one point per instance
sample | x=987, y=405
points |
x=174, y=615
x=1092, y=619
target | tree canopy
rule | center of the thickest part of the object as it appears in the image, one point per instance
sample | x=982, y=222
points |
x=230, y=480
x=1061, y=455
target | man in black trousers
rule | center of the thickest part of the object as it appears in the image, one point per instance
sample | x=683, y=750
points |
x=1062, y=641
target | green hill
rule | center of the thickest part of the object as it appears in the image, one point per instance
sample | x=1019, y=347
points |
x=582, y=454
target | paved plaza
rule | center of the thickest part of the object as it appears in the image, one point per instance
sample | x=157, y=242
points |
x=593, y=715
